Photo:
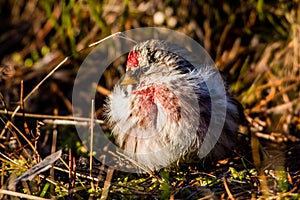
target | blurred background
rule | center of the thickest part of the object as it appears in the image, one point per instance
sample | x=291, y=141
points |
x=256, y=43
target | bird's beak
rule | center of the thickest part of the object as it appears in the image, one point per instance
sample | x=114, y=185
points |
x=129, y=79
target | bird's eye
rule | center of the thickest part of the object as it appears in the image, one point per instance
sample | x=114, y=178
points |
x=144, y=69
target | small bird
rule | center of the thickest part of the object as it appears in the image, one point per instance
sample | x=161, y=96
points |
x=160, y=112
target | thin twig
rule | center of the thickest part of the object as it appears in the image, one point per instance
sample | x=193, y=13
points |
x=25, y=138
x=52, y=117
x=23, y=109
x=39, y=84
x=92, y=140
x=53, y=149
x=10, y=161
x=118, y=34
x=230, y=196
x=107, y=183
x=18, y=194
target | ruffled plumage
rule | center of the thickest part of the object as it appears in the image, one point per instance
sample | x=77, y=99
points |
x=166, y=113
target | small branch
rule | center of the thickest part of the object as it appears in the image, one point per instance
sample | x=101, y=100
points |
x=230, y=196
x=92, y=140
x=107, y=183
x=54, y=117
x=18, y=194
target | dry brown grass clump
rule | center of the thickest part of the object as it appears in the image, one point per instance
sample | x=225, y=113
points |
x=255, y=43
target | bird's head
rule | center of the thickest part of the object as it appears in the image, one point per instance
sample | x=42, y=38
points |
x=150, y=84
x=154, y=59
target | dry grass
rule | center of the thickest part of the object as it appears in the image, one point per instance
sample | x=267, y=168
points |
x=255, y=43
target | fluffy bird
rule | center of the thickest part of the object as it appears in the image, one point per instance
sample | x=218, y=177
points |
x=160, y=112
